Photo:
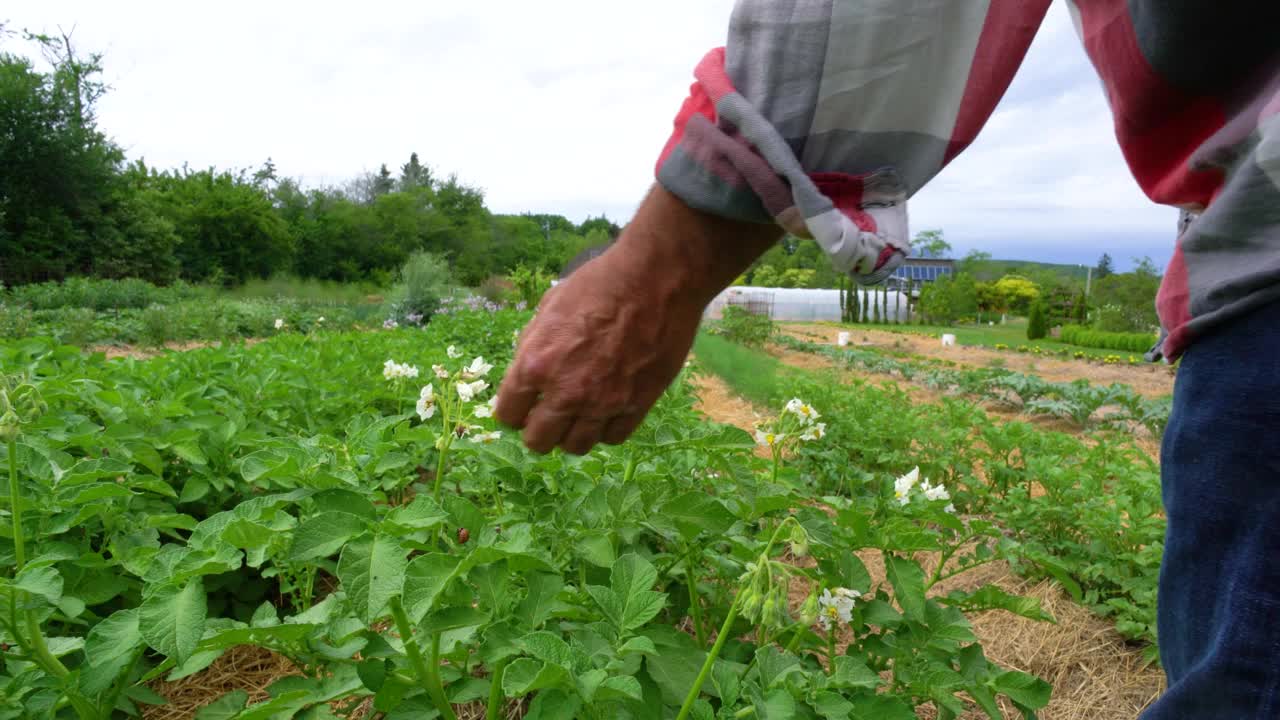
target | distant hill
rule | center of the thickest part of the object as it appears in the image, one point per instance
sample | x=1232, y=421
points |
x=996, y=269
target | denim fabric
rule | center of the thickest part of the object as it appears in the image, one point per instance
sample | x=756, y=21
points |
x=1219, y=606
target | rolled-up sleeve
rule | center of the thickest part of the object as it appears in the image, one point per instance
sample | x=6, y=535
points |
x=824, y=116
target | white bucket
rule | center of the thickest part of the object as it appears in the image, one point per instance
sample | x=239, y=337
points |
x=842, y=339
x=948, y=340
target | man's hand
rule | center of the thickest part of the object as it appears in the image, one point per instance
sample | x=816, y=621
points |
x=607, y=341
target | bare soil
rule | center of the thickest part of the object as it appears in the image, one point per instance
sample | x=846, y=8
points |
x=1149, y=380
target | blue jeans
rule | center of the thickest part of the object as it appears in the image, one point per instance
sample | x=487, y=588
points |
x=1219, y=606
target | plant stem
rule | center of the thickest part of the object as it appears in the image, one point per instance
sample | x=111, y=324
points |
x=435, y=495
x=429, y=676
x=630, y=472
x=695, y=602
x=705, y=672
x=831, y=649
x=494, y=710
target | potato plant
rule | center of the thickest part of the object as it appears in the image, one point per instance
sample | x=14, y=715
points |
x=346, y=501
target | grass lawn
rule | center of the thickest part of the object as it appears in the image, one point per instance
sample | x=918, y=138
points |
x=1013, y=334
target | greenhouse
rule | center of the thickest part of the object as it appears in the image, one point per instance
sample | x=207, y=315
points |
x=803, y=304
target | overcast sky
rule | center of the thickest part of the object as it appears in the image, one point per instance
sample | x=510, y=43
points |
x=558, y=106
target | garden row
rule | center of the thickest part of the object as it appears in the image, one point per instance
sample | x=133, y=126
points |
x=1085, y=511
x=344, y=500
x=1077, y=401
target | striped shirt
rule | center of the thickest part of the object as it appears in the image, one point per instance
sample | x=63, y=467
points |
x=825, y=116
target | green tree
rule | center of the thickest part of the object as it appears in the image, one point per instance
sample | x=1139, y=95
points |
x=948, y=299
x=383, y=182
x=931, y=244
x=414, y=175
x=1038, y=324
x=1015, y=294
x=1104, y=267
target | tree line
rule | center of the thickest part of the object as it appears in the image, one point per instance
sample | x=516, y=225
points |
x=72, y=204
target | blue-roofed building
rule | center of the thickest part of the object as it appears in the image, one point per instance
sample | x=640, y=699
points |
x=921, y=270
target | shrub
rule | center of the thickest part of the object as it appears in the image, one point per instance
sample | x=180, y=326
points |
x=530, y=284
x=1126, y=342
x=157, y=325
x=1038, y=324
x=744, y=327
x=77, y=326
x=424, y=281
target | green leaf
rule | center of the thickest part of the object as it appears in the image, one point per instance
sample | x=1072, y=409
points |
x=324, y=534
x=630, y=602
x=191, y=453
x=540, y=600
x=172, y=619
x=991, y=597
x=908, y=585
x=526, y=675
x=619, y=687
x=595, y=548
x=391, y=461
x=1028, y=691
x=247, y=535
x=43, y=582
x=421, y=514
x=774, y=666
x=553, y=705
x=852, y=673
x=373, y=673
x=848, y=568
x=881, y=707
x=696, y=512
x=226, y=707
x=882, y=614
x=424, y=579
x=778, y=705
x=194, y=490
x=727, y=683
x=108, y=650
x=831, y=706
x=372, y=571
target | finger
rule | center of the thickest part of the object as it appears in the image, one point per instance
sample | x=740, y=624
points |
x=546, y=427
x=519, y=391
x=583, y=435
x=515, y=399
x=620, y=428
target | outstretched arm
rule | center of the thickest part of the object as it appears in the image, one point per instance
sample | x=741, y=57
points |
x=819, y=118
x=608, y=340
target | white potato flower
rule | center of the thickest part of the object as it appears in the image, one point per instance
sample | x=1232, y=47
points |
x=486, y=438
x=768, y=439
x=934, y=492
x=440, y=372
x=468, y=391
x=426, y=403
x=817, y=431
x=903, y=485
x=836, y=607
x=486, y=410
x=279, y=323
x=477, y=368
x=453, y=352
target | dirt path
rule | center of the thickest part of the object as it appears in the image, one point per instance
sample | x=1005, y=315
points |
x=919, y=393
x=142, y=352
x=1148, y=379
x=1095, y=673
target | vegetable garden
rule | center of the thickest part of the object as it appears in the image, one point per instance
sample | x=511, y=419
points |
x=345, y=501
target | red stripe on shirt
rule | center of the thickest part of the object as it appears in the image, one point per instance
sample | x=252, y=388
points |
x=1007, y=32
x=1159, y=127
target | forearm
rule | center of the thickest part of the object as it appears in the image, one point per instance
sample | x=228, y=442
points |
x=689, y=255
